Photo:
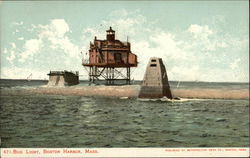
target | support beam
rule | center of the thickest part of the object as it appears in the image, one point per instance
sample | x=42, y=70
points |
x=109, y=75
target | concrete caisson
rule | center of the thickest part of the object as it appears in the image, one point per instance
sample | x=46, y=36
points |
x=155, y=83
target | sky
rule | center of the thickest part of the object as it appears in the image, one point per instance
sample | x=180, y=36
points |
x=197, y=40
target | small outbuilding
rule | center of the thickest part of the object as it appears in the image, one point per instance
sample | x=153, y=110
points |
x=63, y=78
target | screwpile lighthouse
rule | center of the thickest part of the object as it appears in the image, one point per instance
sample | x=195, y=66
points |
x=110, y=60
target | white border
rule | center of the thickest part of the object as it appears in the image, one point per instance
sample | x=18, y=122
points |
x=122, y=152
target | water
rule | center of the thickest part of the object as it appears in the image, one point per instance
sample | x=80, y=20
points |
x=77, y=121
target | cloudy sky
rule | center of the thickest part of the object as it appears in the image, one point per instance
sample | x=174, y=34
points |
x=197, y=40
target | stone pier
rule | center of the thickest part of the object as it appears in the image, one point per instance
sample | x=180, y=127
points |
x=155, y=83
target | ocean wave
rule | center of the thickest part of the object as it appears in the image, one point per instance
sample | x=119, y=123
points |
x=172, y=100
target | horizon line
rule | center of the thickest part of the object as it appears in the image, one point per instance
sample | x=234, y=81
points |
x=138, y=80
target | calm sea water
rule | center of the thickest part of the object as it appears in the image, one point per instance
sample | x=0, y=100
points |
x=75, y=121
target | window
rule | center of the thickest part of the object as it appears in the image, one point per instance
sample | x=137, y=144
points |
x=152, y=65
x=153, y=60
x=118, y=57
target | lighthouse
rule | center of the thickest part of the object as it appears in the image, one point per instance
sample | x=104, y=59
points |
x=110, y=60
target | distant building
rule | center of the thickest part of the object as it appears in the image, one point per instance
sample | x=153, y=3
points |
x=108, y=57
x=63, y=78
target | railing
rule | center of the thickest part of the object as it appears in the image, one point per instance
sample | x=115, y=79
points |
x=56, y=72
x=116, y=47
x=63, y=72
